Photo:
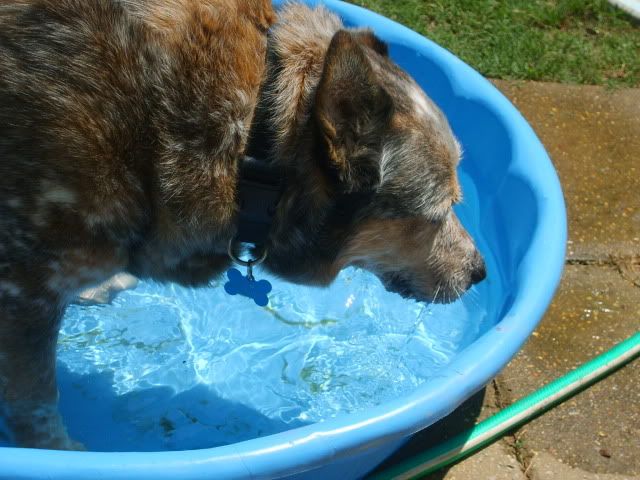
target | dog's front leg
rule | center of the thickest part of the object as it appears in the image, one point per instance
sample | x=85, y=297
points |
x=28, y=392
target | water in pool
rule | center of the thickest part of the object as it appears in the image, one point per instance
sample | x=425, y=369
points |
x=166, y=367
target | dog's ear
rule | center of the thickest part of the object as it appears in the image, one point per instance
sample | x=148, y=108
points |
x=367, y=37
x=352, y=112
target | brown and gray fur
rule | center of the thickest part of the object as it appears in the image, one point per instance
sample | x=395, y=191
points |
x=373, y=160
x=121, y=126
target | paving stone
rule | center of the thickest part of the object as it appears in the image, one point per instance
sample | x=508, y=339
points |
x=496, y=462
x=599, y=429
x=593, y=137
x=547, y=467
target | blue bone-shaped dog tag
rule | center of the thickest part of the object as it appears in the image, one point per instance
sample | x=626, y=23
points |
x=248, y=287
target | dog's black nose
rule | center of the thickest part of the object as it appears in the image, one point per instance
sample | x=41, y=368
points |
x=479, y=272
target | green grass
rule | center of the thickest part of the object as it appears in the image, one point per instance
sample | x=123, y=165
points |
x=568, y=41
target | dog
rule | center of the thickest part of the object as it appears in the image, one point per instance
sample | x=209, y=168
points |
x=122, y=127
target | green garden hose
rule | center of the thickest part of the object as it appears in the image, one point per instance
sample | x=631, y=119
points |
x=523, y=410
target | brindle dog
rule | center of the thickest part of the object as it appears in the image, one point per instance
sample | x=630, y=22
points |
x=122, y=123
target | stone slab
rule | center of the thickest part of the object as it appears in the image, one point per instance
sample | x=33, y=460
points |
x=546, y=467
x=593, y=137
x=599, y=429
x=495, y=462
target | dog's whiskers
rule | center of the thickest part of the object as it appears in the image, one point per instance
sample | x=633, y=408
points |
x=435, y=295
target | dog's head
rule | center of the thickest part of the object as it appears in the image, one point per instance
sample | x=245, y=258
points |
x=372, y=181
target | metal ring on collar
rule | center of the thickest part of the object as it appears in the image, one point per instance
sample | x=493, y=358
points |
x=245, y=263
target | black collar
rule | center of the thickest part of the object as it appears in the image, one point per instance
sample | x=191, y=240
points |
x=260, y=187
x=260, y=183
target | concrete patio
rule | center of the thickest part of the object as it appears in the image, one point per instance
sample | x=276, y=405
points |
x=593, y=137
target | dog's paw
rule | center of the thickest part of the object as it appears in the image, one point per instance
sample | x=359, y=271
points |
x=65, y=443
x=77, y=446
x=51, y=435
x=106, y=291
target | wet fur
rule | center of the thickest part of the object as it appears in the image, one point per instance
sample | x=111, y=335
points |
x=121, y=126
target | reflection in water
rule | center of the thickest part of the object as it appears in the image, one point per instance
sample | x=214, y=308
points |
x=310, y=355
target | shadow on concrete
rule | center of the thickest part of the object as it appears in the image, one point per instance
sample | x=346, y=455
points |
x=461, y=419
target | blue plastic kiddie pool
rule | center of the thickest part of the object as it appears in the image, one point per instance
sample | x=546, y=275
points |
x=172, y=383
